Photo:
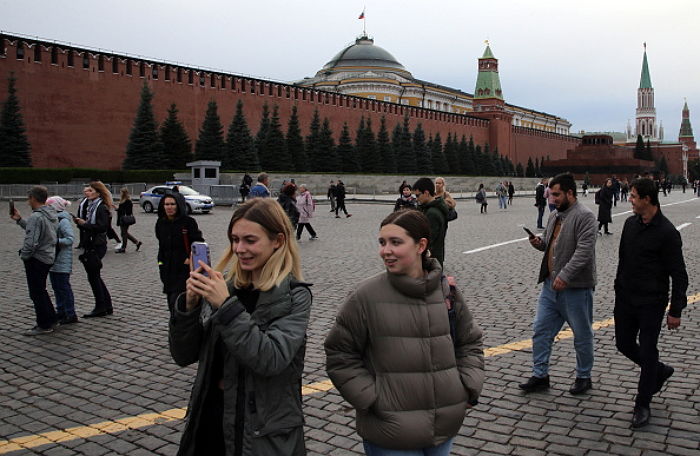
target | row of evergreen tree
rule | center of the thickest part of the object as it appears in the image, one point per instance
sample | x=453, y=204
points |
x=401, y=151
x=14, y=145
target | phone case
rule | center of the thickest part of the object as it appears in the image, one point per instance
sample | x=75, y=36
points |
x=200, y=251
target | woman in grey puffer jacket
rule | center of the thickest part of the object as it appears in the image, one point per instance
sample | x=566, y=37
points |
x=391, y=353
x=63, y=265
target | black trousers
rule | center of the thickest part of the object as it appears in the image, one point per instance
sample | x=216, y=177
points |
x=103, y=300
x=127, y=237
x=300, y=229
x=632, y=322
x=37, y=272
x=340, y=206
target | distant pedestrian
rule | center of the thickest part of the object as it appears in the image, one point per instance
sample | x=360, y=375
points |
x=441, y=192
x=63, y=265
x=175, y=231
x=94, y=228
x=540, y=201
x=511, y=192
x=568, y=275
x=409, y=369
x=605, y=204
x=549, y=197
x=246, y=184
x=262, y=188
x=481, y=199
x=125, y=218
x=651, y=251
x=616, y=188
x=406, y=200
x=436, y=211
x=401, y=187
x=624, y=189
x=81, y=213
x=584, y=189
x=340, y=199
x=502, y=194
x=247, y=332
x=38, y=254
x=288, y=200
x=331, y=195
x=306, y=206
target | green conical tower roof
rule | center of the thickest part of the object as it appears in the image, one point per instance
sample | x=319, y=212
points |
x=686, y=128
x=488, y=84
x=645, y=81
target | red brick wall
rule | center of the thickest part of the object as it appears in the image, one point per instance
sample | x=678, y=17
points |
x=82, y=117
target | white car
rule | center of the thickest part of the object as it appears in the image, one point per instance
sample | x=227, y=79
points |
x=196, y=202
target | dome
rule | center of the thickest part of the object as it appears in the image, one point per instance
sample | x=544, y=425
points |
x=364, y=54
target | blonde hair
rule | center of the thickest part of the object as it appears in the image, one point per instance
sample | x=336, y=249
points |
x=284, y=261
x=124, y=195
x=103, y=191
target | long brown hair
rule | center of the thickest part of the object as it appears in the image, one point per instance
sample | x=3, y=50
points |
x=104, y=192
x=124, y=195
x=285, y=260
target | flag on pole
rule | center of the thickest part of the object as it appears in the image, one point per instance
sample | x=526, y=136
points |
x=362, y=15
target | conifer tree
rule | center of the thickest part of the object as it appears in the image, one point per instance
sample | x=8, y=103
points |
x=385, y=149
x=451, y=150
x=346, y=152
x=295, y=143
x=639, y=148
x=276, y=152
x=538, y=170
x=177, y=148
x=144, y=149
x=240, y=150
x=647, y=152
x=327, y=147
x=396, y=146
x=313, y=145
x=405, y=155
x=210, y=142
x=478, y=161
x=424, y=163
x=489, y=167
x=530, y=169
x=519, y=170
x=437, y=156
x=498, y=166
x=366, y=147
x=261, y=135
x=466, y=154
x=663, y=165
x=14, y=145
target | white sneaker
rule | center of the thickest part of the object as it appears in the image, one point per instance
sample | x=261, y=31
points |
x=313, y=238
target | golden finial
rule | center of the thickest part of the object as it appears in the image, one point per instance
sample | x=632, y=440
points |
x=486, y=42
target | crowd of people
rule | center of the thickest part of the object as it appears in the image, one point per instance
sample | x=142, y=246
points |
x=397, y=334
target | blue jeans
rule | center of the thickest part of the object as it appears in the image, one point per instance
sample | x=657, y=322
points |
x=573, y=306
x=65, y=303
x=441, y=450
x=502, y=202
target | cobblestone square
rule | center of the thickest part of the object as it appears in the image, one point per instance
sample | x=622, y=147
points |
x=108, y=386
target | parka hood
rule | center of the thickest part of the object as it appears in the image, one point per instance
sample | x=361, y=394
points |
x=181, y=204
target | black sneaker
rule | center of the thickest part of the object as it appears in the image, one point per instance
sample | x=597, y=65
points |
x=580, y=386
x=535, y=384
x=640, y=416
x=68, y=320
x=664, y=374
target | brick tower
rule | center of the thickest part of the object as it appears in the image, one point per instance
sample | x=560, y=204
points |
x=646, y=112
x=685, y=136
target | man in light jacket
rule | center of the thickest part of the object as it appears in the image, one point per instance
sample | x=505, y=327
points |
x=38, y=253
x=569, y=275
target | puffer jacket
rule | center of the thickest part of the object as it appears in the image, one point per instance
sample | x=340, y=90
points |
x=268, y=345
x=436, y=211
x=40, y=235
x=64, y=253
x=306, y=206
x=391, y=356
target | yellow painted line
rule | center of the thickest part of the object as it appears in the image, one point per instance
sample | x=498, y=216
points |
x=149, y=419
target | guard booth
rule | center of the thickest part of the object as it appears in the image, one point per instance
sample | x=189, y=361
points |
x=205, y=173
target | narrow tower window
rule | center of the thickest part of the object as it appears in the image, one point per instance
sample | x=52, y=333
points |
x=100, y=63
x=54, y=55
x=37, y=53
x=115, y=64
x=86, y=60
x=20, y=51
x=128, y=67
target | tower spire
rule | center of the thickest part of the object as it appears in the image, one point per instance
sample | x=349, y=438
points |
x=487, y=93
x=645, y=80
x=645, y=123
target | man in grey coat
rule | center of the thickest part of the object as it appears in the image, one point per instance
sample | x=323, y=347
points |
x=569, y=275
x=38, y=253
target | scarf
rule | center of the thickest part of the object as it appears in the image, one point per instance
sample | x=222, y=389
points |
x=92, y=210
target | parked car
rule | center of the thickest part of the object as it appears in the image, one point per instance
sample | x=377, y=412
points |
x=196, y=202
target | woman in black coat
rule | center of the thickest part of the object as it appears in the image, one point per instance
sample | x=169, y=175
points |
x=93, y=230
x=175, y=231
x=126, y=207
x=605, y=203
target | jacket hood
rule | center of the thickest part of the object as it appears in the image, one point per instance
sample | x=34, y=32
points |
x=414, y=288
x=48, y=212
x=438, y=203
x=63, y=215
x=181, y=204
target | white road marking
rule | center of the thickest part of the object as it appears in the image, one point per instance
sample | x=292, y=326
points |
x=513, y=241
x=683, y=225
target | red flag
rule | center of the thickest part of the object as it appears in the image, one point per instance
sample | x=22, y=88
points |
x=362, y=15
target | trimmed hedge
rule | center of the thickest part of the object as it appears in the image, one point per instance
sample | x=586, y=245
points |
x=65, y=175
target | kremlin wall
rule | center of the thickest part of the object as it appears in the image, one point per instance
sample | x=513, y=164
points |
x=79, y=105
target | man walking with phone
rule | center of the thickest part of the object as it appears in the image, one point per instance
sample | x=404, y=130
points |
x=38, y=254
x=568, y=274
x=650, y=253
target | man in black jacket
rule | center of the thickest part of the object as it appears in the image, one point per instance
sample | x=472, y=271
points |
x=650, y=253
x=540, y=202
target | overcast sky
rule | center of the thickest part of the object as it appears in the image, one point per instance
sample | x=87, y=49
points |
x=580, y=62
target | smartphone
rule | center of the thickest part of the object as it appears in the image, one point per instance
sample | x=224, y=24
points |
x=529, y=233
x=12, y=208
x=200, y=252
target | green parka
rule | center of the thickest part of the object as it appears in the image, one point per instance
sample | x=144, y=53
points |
x=391, y=356
x=269, y=345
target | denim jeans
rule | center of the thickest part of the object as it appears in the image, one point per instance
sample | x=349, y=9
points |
x=502, y=202
x=573, y=306
x=37, y=272
x=441, y=450
x=65, y=303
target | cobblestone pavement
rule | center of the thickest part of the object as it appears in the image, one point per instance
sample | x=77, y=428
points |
x=109, y=386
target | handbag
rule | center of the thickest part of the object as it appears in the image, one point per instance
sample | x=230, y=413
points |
x=451, y=214
x=128, y=220
x=90, y=260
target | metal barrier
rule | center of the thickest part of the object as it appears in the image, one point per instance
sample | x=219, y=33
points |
x=224, y=195
x=70, y=191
